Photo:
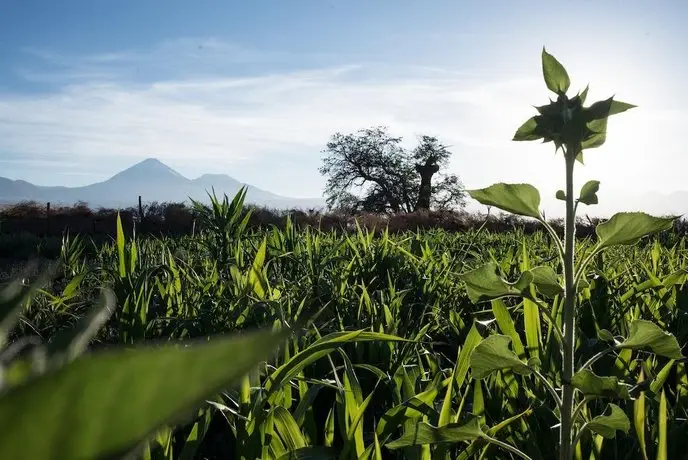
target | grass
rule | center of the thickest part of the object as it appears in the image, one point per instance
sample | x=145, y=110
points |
x=334, y=391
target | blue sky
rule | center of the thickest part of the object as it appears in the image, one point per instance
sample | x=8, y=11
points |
x=255, y=88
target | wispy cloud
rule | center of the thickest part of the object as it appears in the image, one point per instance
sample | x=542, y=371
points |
x=181, y=57
x=249, y=116
x=267, y=128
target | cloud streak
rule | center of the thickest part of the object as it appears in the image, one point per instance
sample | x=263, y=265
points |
x=183, y=57
x=268, y=128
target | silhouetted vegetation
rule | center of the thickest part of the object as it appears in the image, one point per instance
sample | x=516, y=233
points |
x=370, y=171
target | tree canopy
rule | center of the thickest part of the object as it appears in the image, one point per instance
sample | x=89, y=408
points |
x=369, y=170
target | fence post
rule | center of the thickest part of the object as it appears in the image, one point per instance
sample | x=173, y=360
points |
x=47, y=219
x=141, y=213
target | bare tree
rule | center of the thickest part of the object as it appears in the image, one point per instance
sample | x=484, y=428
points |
x=388, y=178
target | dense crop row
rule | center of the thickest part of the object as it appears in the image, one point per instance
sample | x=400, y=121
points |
x=351, y=393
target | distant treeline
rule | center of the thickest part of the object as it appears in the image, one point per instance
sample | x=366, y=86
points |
x=175, y=219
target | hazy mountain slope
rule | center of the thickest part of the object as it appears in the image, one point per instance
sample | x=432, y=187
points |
x=154, y=181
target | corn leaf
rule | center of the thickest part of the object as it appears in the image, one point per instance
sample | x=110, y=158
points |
x=161, y=384
x=639, y=419
x=662, y=447
x=448, y=434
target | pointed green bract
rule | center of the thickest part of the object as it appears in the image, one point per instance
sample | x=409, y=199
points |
x=424, y=433
x=493, y=354
x=521, y=199
x=584, y=94
x=595, y=137
x=161, y=385
x=629, y=227
x=528, y=131
x=619, y=107
x=483, y=284
x=556, y=77
x=604, y=109
x=596, y=117
x=588, y=193
x=591, y=384
x=608, y=425
x=646, y=334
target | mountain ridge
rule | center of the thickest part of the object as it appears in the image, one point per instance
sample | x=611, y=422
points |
x=154, y=181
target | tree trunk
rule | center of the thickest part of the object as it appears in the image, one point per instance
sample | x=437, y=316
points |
x=426, y=172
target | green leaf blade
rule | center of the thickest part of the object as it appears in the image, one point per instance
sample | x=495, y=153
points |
x=555, y=75
x=317, y=350
x=626, y=228
x=426, y=434
x=591, y=384
x=120, y=248
x=493, y=354
x=608, y=425
x=545, y=281
x=161, y=385
x=256, y=279
x=646, y=334
x=662, y=444
x=528, y=131
x=588, y=193
x=604, y=109
x=521, y=199
x=483, y=284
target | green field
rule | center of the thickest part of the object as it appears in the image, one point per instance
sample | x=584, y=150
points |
x=353, y=395
x=294, y=342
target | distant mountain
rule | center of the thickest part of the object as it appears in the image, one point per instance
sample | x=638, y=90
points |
x=154, y=181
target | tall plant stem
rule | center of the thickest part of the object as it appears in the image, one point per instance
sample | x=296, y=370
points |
x=569, y=312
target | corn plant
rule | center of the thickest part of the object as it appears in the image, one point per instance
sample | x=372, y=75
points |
x=72, y=254
x=225, y=221
x=574, y=385
x=110, y=400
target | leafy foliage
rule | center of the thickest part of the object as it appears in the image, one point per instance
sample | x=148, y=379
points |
x=409, y=345
x=390, y=178
x=340, y=292
x=522, y=199
x=572, y=127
